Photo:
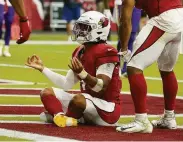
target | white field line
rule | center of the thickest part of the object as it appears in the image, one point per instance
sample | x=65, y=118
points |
x=64, y=70
x=15, y=95
x=153, y=95
x=29, y=116
x=20, y=105
x=31, y=122
x=149, y=115
x=180, y=127
x=31, y=136
x=22, y=66
x=123, y=92
x=157, y=78
x=18, y=115
x=22, y=88
x=14, y=82
x=25, y=122
x=42, y=42
x=10, y=84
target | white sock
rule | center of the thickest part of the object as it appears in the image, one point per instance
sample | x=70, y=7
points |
x=1, y=45
x=168, y=112
x=6, y=47
x=1, y=48
x=141, y=116
x=69, y=38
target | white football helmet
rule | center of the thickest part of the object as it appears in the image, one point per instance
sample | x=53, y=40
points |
x=92, y=26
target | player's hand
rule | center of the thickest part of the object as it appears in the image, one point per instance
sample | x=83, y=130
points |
x=126, y=55
x=76, y=66
x=35, y=62
x=25, y=30
x=108, y=14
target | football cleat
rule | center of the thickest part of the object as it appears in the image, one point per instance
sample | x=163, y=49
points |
x=1, y=47
x=6, y=52
x=62, y=121
x=165, y=122
x=46, y=117
x=136, y=126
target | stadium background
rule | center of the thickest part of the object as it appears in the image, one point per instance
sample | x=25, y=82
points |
x=19, y=86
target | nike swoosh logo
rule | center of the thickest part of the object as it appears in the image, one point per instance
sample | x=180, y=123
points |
x=109, y=49
x=126, y=128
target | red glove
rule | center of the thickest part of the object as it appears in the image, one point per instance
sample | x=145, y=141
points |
x=25, y=30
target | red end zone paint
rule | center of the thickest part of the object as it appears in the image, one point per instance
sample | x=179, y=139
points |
x=96, y=133
x=155, y=105
x=20, y=91
x=93, y=133
x=21, y=110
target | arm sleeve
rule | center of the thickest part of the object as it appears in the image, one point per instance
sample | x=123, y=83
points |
x=106, y=69
x=64, y=82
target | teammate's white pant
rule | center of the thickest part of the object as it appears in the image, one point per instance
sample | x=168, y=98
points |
x=90, y=113
x=153, y=44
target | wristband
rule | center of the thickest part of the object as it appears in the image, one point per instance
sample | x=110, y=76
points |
x=83, y=74
x=99, y=86
x=24, y=19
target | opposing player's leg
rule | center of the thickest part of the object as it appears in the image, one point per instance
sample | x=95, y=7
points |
x=55, y=102
x=148, y=46
x=9, y=15
x=1, y=24
x=68, y=16
x=166, y=64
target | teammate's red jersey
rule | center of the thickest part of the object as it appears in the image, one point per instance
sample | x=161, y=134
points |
x=156, y=7
x=94, y=56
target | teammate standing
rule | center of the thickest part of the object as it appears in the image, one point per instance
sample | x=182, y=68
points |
x=25, y=29
x=158, y=41
x=136, y=15
x=96, y=65
x=113, y=6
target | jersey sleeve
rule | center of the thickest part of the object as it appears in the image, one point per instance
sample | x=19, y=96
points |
x=109, y=56
x=106, y=69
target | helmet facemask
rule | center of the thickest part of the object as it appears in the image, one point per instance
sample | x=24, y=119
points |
x=82, y=32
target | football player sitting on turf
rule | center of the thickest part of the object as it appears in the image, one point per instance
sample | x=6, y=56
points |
x=96, y=65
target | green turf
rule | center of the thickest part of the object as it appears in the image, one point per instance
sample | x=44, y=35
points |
x=57, y=56
x=3, y=138
x=58, y=36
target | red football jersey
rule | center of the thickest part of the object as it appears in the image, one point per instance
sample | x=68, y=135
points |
x=92, y=57
x=156, y=7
